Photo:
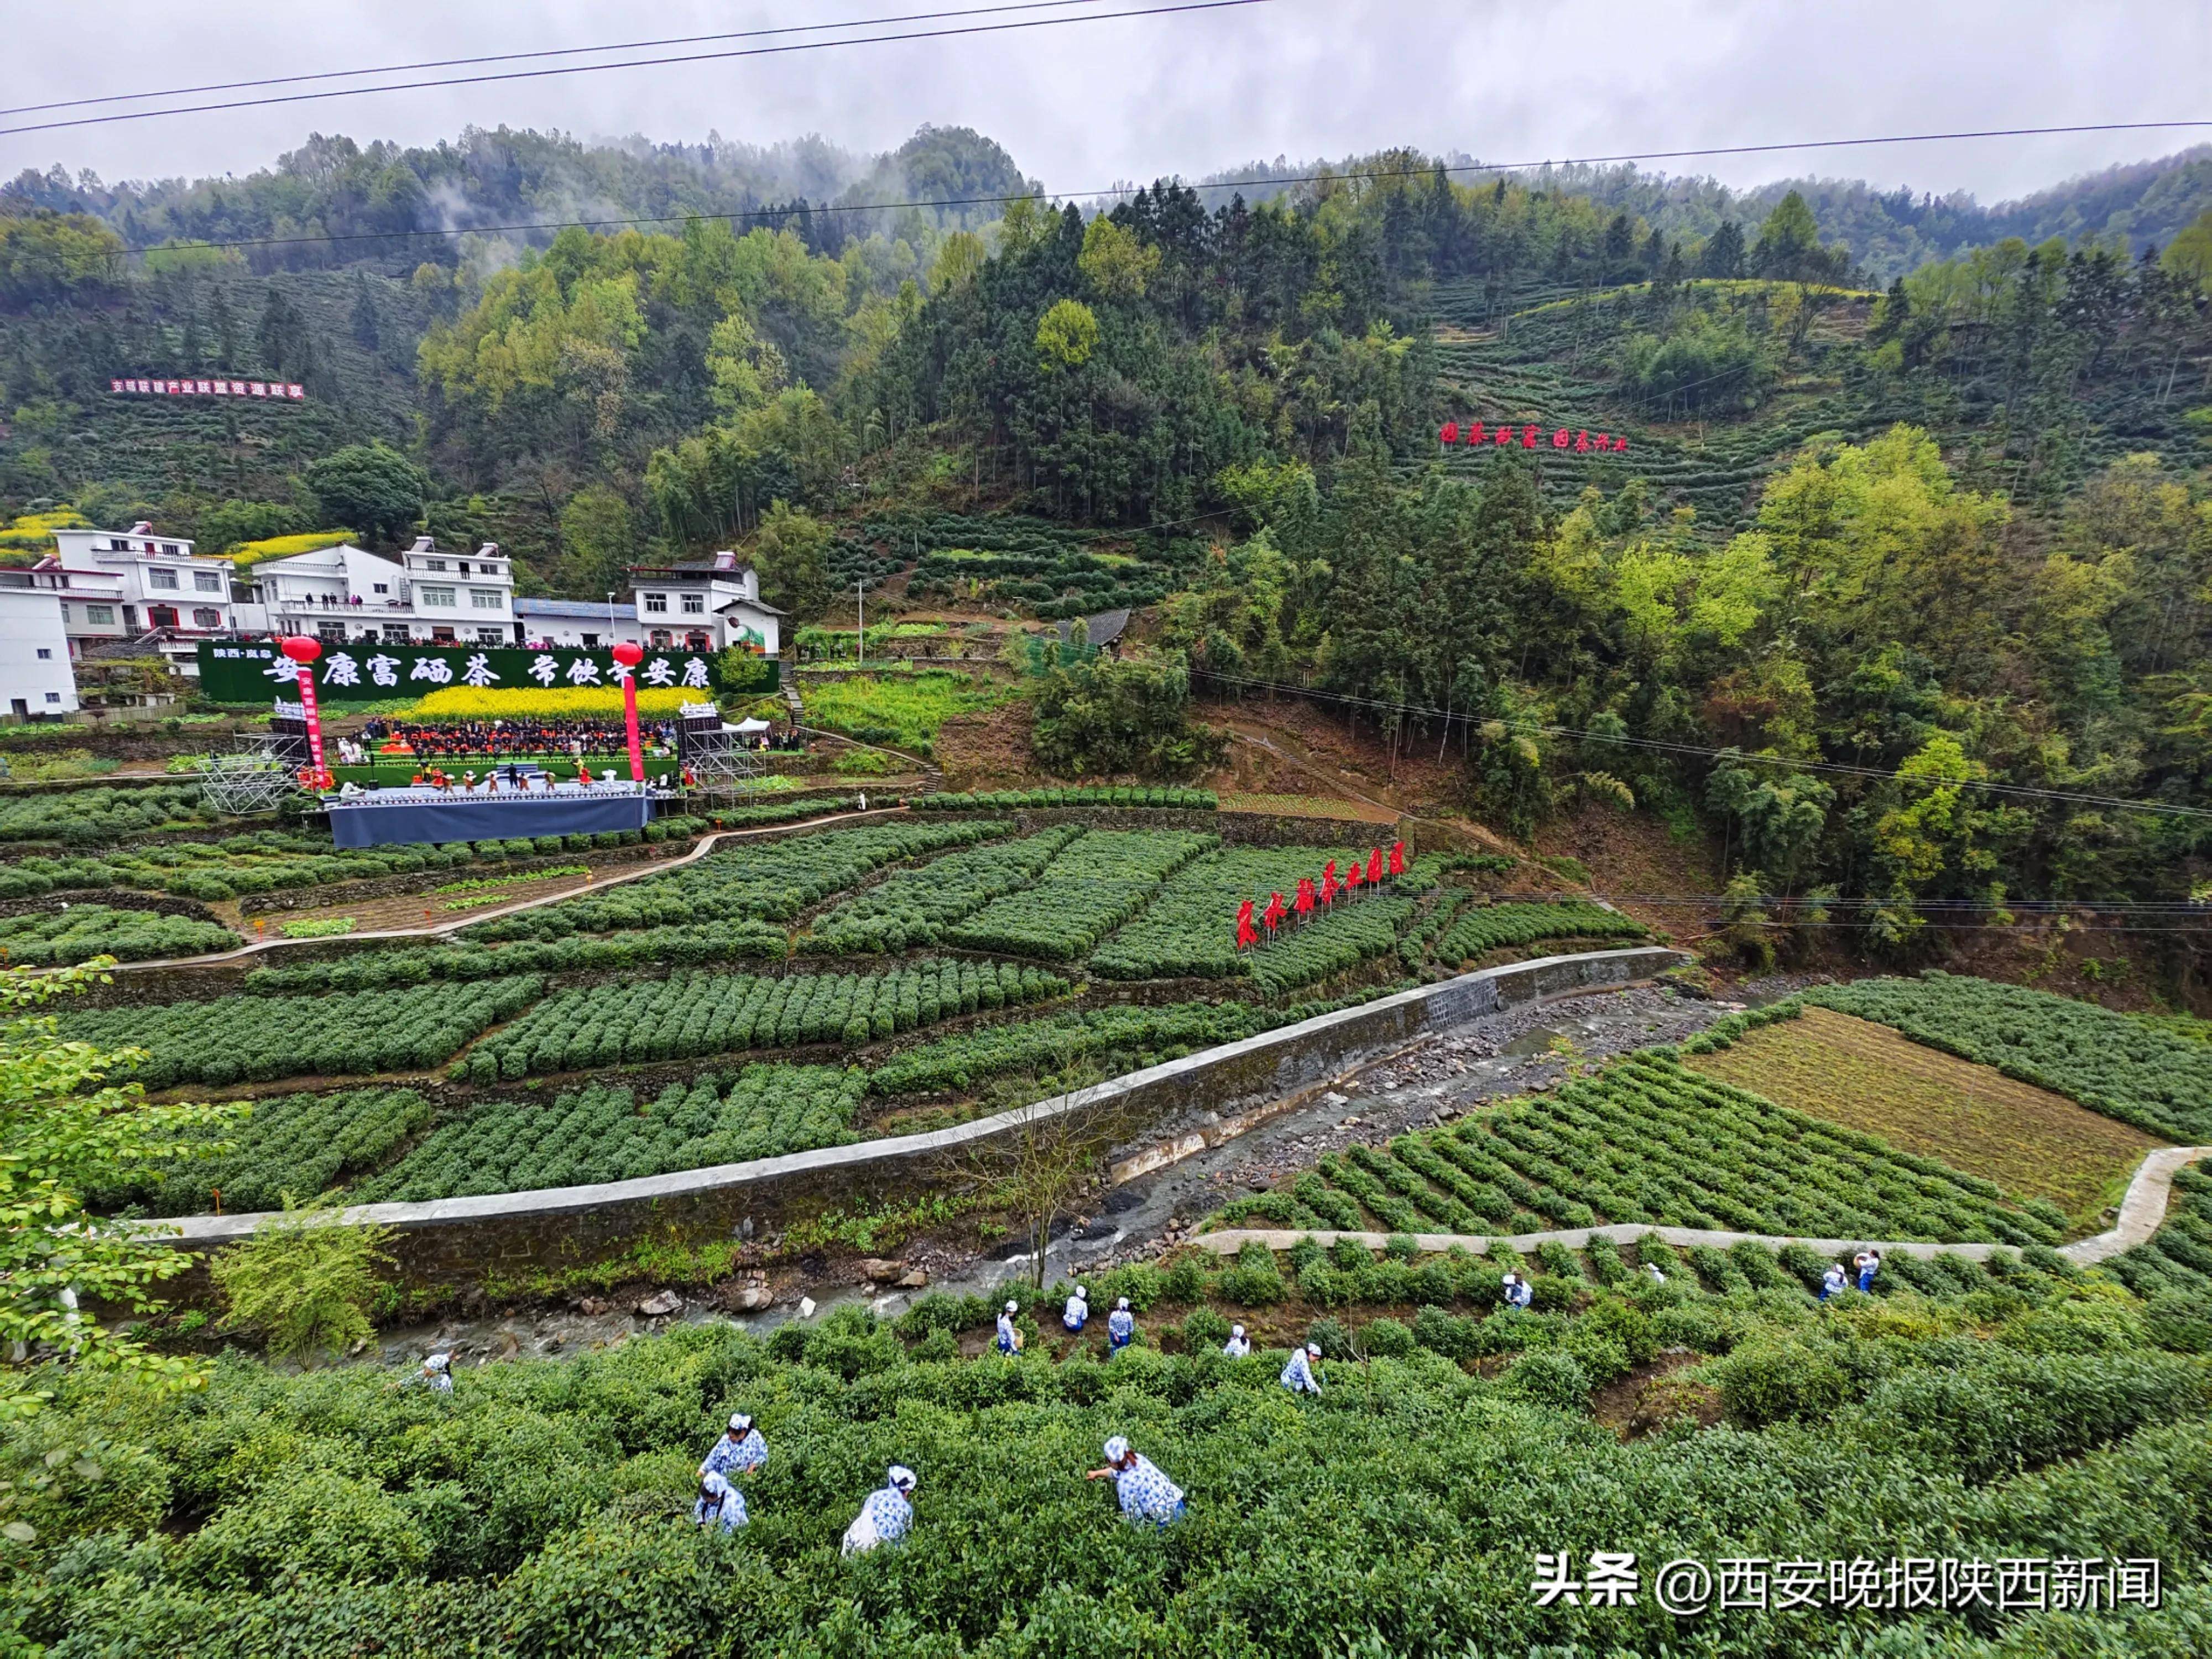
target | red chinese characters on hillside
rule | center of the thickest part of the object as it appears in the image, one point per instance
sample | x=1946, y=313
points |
x=1502, y=436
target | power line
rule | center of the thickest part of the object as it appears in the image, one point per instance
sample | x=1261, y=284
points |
x=1257, y=182
x=522, y=56
x=1533, y=728
x=632, y=62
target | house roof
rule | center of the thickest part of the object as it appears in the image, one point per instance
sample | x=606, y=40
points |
x=576, y=609
x=1101, y=628
x=751, y=604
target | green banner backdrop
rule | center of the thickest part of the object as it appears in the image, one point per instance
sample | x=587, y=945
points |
x=252, y=671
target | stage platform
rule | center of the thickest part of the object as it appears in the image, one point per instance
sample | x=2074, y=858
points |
x=383, y=817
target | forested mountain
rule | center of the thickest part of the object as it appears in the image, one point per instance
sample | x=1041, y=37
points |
x=333, y=187
x=2138, y=206
x=1957, y=526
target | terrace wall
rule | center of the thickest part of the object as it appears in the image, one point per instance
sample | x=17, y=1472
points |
x=461, y=1240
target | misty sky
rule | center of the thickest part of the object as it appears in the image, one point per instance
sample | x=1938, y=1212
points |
x=1085, y=106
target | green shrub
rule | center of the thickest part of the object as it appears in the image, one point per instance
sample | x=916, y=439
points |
x=1388, y=1338
x=1547, y=1378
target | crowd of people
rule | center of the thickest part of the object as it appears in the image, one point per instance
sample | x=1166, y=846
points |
x=502, y=739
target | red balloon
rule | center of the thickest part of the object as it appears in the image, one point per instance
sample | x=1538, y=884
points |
x=300, y=648
x=629, y=653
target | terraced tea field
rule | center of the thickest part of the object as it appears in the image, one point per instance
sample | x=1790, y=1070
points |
x=2029, y=1140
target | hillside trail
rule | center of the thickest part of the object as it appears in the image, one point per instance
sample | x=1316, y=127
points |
x=706, y=844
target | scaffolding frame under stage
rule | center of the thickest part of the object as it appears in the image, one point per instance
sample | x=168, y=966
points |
x=717, y=757
x=256, y=778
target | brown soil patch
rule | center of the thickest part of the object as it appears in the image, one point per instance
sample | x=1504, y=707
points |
x=2028, y=1140
x=406, y=909
x=1647, y=1399
x=1634, y=853
x=989, y=751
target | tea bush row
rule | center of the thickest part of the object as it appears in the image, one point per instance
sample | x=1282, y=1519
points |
x=292, y=1146
x=1650, y=1142
x=1190, y=929
x=1010, y=800
x=773, y=882
x=1092, y=886
x=691, y=1014
x=1488, y=927
x=916, y=907
x=236, y=1039
x=85, y=931
x=379, y=969
x=604, y=1133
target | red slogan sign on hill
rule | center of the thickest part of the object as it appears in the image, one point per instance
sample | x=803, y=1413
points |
x=1529, y=437
x=291, y=391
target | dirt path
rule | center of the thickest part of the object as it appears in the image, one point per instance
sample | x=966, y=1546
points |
x=707, y=844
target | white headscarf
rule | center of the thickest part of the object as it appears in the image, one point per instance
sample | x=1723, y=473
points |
x=739, y=1422
x=901, y=1477
x=1116, y=1450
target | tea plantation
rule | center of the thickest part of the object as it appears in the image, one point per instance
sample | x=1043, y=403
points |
x=952, y=961
x=2020, y=1411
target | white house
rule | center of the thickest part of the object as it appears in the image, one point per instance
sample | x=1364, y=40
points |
x=703, y=607
x=162, y=588
x=585, y=623
x=36, y=680
x=91, y=601
x=346, y=593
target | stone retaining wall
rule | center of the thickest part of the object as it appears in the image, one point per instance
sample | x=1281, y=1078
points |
x=462, y=1240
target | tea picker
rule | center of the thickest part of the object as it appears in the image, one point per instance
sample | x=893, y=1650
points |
x=1146, y=1496
x=1833, y=1281
x=1868, y=1263
x=1010, y=1339
x=438, y=1372
x=886, y=1517
x=1238, y=1343
x=1120, y=1326
x=1299, y=1376
x=740, y=1451
x=1519, y=1293
x=719, y=1505
x=1077, y=1313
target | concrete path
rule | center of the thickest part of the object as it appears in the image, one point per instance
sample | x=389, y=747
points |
x=2140, y=1212
x=707, y=844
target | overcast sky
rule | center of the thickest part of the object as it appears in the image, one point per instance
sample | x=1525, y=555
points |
x=1082, y=107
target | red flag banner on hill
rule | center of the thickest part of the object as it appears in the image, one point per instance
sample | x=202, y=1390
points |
x=1397, y=857
x=1303, y=904
x=1275, y=915
x=1247, y=935
x=1530, y=435
x=1374, y=865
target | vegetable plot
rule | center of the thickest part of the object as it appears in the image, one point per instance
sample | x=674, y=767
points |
x=916, y=907
x=1651, y=1142
x=85, y=931
x=248, y=1038
x=2109, y=1062
x=772, y=881
x=1098, y=882
x=603, y=1133
x=691, y=1014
